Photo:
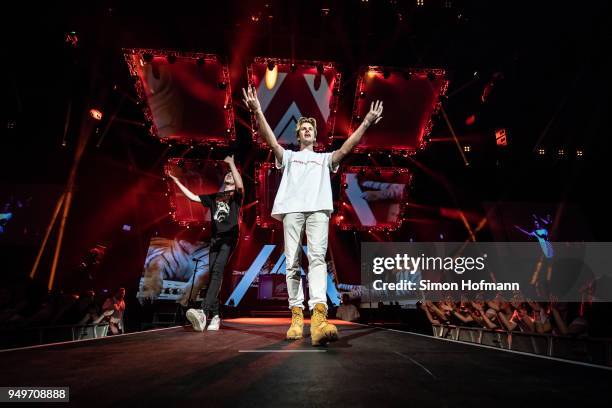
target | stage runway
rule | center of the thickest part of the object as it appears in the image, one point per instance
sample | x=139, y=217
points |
x=248, y=363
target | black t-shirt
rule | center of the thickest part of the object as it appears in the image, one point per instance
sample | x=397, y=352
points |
x=224, y=212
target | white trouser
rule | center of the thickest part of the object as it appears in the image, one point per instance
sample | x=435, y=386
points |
x=316, y=225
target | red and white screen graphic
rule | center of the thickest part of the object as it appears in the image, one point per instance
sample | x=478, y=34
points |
x=372, y=198
x=267, y=180
x=289, y=90
x=410, y=98
x=187, y=97
x=200, y=177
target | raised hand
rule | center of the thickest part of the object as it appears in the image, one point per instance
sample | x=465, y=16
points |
x=375, y=113
x=229, y=159
x=250, y=99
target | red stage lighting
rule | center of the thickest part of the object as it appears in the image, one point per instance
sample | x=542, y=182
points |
x=201, y=177
x=201, y=88
x=411, y=99
x=373, y=198
x=289, y=89
x=501, y=137
x=267, y=180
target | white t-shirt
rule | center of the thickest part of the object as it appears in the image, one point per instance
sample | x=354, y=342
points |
x=305, y=185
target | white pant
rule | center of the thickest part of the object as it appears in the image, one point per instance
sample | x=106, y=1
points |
x=316, y=225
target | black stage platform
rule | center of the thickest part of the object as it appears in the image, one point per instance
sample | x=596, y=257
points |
x=248, y=363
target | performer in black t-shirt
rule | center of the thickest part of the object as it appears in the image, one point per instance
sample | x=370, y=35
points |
x=225, y=213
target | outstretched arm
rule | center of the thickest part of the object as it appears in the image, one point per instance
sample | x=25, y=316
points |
x=185, y=190
x=251, y=101
x=373, y=116
x=235, y=173
x=523, y=231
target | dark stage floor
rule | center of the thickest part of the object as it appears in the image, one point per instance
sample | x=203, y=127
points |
x=249, y=363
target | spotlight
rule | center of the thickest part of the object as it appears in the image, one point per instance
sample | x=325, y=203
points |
x=579, y=153
x=96, y=114
x=362, y=94
x=293, y=67
x=325, y=12
x=271, y=75
x=541, y=152
x=501, y=137
x=467, y=148
x=200, y=62
x=320, y=68
x=561, y=153
x=171, y=59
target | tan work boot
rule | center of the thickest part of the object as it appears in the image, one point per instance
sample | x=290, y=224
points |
x=321, y=332
x=296, y=330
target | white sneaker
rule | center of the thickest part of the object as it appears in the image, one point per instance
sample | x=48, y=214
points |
x=197, y=318
x=215, y=323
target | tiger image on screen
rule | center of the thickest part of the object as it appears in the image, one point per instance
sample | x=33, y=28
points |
x=170, y=262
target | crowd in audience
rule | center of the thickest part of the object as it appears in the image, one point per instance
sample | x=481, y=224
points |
x=514, y=315
x=24, y=305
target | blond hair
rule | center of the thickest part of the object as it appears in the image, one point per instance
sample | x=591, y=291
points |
x=303, y=120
